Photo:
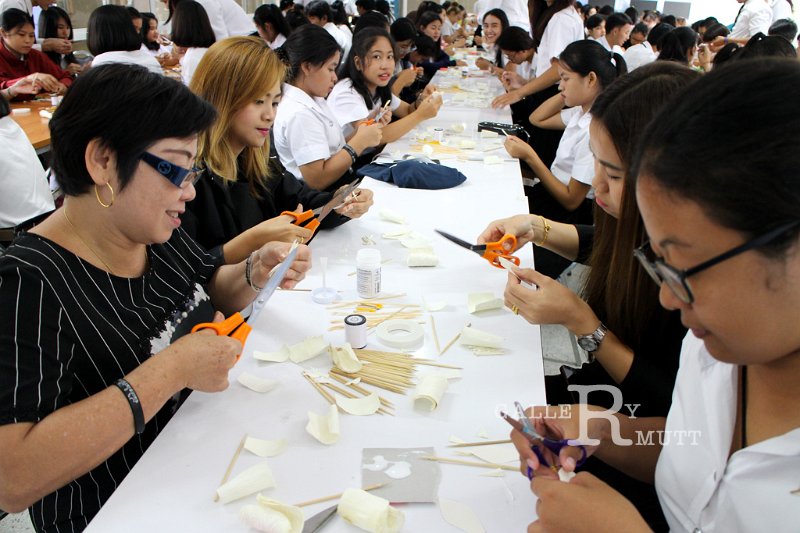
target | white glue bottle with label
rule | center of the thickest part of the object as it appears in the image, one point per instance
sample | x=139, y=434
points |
x=368, y=272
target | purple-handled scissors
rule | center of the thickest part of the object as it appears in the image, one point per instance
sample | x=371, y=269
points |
x=554, y=445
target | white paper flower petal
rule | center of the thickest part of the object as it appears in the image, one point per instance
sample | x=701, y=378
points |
x=250, y=481
x=324, y=428
x=397, y=234
x=391, y=216
x=294, y=514
x=256, y=383
x=474, y=337
x=307, y=349
x=264, y=448
x=280, y=356
x=360, y=406
x=492, y=160
x=436, y=305
x=265, y=519
x=450, y=373
x=460, y=515
x=369, y=512
x=483, y=301
x=431, y=389
x=565, y=476
x=496, y=453
x=345, y=358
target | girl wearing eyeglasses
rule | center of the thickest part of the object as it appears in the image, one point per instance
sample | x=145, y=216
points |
x=722, y=218
x=633, y=344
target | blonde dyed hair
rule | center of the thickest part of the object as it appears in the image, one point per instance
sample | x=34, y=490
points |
x=233, y=73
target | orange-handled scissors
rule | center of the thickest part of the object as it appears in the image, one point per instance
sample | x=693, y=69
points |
x=379, y=116
x=312, y=218
x=490, y=251
x=234, y=326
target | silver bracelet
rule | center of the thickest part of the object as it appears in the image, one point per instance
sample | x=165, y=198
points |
x=248, y=273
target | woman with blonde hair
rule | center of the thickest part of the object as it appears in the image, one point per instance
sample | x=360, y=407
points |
x=242, y=192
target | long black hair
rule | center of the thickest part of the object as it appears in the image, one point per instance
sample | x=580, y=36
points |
x=583, y=57
x=48, y=28
x=146, y=18
x=500, y=15
x=541, y=14
x=110, y=29
x=675, y=45
x=271, y=14
x=191, y=27
x=363, y=41
x=307, y=44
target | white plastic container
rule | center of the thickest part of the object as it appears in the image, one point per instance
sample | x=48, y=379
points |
x=368, y=272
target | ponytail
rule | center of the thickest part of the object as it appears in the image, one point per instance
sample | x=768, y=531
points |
x=583, y=57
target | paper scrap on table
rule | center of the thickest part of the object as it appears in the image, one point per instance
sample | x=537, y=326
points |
x=367, y=405
x=408, y=477
x=456, y=440
x=264, y=448
x=450, y=373
x=369, y=512
x=466, y=144
x=475, y=337
x=482, y=434
x=397, y=234
x=486, y=134
x=422, y=257
x=431, y=389
x=345, y=358
x=415, y=239
x=427, y=150
x=256, y=383
x=460, y=515
x=437, y=305
x=565, y=476
x=497, y=472
x=324, y=428
x=482, y=350
x=281, y=356
x=391, y=216
x=483, y=301
x=496, y=453
x=492, y=160
x=250, y=481
x=272, y=516
x=307, y=349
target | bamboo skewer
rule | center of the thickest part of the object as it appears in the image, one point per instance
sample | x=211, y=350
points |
x=335, y=496
x=231, y=464
x=387, y=318
x=481, y=443
x=377, y=382
x=469, y=463
x=362, y=390
x=322, y=391
x=348, y=394
x=449, y=344
x=435, y=336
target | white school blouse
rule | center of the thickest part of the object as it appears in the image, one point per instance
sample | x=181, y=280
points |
x=305, y=130
x=348, y=106
x=189, y=63
x=700, y=488
x=278, y=41
x=574, y=157
x=564, y=28
x=134, y=57
x=639, y=55
x=755, y=16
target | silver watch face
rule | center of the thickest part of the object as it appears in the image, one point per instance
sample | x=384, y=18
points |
x=588, y=343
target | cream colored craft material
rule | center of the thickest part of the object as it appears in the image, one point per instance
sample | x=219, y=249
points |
x=256, y=383
x=466, y=144
x=497, y=472
x=250, y=481
x=414, y=240
x=400, y=334
x=459, y=127
x=436, y=305
x=431, y=389
x=397, y=234
x=482, y=434
x=475, y=337
x=565, y=476
x=271, y=516
x=391, y=216
x=368, y=405
x=456, y=440
x=21, y=111
x=265, y=448
x=460, y=515
x=496, y=453
x=281, y=356
x=44, y=113
x=345, y=358
x=486, y=134
x=482, y=350
x=307, y=349
x=483, y=301
x=324, y=428
x=492, y=160
x=422, y=257
x=427, y=150
x=369, y=512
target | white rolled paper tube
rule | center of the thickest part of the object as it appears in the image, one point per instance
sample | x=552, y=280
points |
x=401, y=334
x=355, y=331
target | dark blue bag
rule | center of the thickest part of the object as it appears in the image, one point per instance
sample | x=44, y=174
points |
x=414, y=174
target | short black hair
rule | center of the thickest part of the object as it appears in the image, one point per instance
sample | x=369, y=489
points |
x=110, y=29
x=382, y=6
x=762, y=46
x=713, y=31
x=369, y=5
x=670, y=19
x=632, y=13
x=426, y=46
x=641, y=27
x=371, y=19
x=320, y=9
x=191, y=27
x=295, y=19
x=285, y=4
x=617, y=20
x=14, y=18
x=133, y=12
x=515, y=39
x=270, y=13
x=786, y=28
x=594, y=21
x=403, y=29
x=606, y=10
x=307, y=44
x=657, y=33
x=156, y=107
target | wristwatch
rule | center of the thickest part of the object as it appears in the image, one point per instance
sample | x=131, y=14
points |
x=591, y=342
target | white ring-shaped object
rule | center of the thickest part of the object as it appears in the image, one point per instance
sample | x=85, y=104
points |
x=401, y=334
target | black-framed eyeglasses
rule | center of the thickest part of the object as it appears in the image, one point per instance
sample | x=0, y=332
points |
x=176, y=174
x=677, y=280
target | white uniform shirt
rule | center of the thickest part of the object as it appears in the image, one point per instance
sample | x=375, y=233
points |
x=639, y=55
x=189, y=63
x=755, y=16
x=616, y=48
x=447, y=27
x=563, y=29
x=515, y=10
x=278, y=41
x=574, y=157
x=780, y=10
x=699, y=486
x=341, y=37
x=305, y=130
x=349, y=106
x=227, y=18
x=134, y=57
x=22, y=5
x=24, y=192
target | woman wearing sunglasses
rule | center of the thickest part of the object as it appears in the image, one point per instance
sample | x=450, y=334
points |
x=724, y=227
x=98, y=300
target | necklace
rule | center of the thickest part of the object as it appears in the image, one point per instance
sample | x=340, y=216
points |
x=74, y=229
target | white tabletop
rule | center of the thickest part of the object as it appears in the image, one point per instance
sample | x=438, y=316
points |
x=172, y=486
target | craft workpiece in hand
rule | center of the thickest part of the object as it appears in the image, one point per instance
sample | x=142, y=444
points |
x=460, y=515
x=250, y=481
x=369, y=512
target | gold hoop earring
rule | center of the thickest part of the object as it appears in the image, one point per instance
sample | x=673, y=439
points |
x=97, y=195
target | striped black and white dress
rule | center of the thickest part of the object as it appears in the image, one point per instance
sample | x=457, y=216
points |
x=69, y=330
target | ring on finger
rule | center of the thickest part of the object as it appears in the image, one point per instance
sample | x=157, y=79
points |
x=514, y=309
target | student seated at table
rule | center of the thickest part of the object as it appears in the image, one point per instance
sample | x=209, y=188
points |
x=111, y=38
x=595, y=27
x=638, y=353
x=96, y=362
x=192, y=33
x=319, y=13
x=308, y=138
x=495, y=22
x=271, y=25
x=227, y=17
x=55, y=23
x=430, y=24
x=25, y=194
x=155, y=44
x=516, y=44
x=731, y=266
x=679, y=45
x=424, y=49
x=363, y=89
x=18, y=60
x=240, y=196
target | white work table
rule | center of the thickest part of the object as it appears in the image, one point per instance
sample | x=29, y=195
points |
x=172, y=486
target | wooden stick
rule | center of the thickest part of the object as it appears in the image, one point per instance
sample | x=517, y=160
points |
x=452, y=342
x=468, y=463
x=481, y=443
x=387, y=318
x=231, y=464
x=362, y=390
x=322, y=391
x=435, y=336
x=335, y=496
x=348, y=394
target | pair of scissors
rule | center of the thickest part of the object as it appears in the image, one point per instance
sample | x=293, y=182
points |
x=312, y=218
x=379, y=116
x=490, y=251
x=236, y=326
x=554, y=445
